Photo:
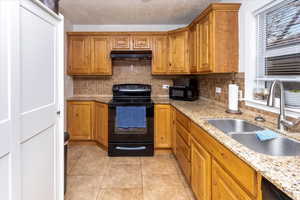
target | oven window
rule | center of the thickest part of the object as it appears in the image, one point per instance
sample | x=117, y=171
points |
x=130, y=120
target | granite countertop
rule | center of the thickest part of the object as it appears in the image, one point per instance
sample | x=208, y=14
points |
x=101, y=99
x=282, y=171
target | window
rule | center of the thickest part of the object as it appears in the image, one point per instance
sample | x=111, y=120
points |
x=279, y=40
x=277, y=52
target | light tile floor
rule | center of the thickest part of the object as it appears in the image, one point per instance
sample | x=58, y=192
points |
x=92, y=175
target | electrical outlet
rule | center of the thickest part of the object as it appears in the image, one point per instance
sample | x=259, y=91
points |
x=165, y=86
x=218, y=90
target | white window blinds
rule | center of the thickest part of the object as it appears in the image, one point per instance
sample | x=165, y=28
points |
x=283, y=25
x=279, y=40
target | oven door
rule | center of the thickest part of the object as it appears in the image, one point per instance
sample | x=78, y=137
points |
x=133, y=134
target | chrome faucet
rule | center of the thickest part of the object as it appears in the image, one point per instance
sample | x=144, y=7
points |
x=283, y=124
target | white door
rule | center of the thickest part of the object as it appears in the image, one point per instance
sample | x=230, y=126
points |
x=31, y=133
x=5, y=111
x=38, y=102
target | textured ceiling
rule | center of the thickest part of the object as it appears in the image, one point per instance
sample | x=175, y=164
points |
x=132, y=11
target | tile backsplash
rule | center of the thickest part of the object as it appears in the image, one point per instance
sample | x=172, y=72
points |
x=208, y=84
x=124, y=71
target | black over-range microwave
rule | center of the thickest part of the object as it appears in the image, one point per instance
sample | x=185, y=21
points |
x=184, y=89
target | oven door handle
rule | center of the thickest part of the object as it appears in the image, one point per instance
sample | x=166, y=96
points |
x=131, y=148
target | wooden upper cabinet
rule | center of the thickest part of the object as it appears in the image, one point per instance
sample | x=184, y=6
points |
x=79, y=55
x=160, y=55
x=121, y=42
x=217, y=40
x=80, y=120
x=205, y=45
x=224, y=186
x=178, y=53
x=100, y=52
x=101, y=124
x=194, y=48
x=162, y=126
x=141, y=42
x=200, y=171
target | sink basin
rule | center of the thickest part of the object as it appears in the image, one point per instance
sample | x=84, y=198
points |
x=280, y=146
x=229, y=126
x=244, y=132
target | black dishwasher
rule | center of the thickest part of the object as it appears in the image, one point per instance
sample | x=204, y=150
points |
x=271, y=192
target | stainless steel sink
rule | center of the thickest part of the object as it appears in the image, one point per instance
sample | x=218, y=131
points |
x=234, y=125
x=280, y=146
x=244, y=133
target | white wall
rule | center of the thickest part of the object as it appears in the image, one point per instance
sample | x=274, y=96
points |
x=131, y=27
x=68, y=26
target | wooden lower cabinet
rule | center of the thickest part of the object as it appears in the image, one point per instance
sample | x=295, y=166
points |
x=173, y=129
x=200, y=171
x=183, y=156
x=162, y=126
x=101, y=124
x=224, y=187
x=80, y=120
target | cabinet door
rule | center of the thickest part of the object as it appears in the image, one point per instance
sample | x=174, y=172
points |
x=224, y=187
x=173, y=129
x=80, y=120
x=79, y=55
x=121, y=42
x=101, y=124
x=179, y=53
x=100, y=49
x=160, y=55
x=194, y=48
x=205, y=45
x=200, y=171
x=142, y=42
x=182, y=154
x=162, y=123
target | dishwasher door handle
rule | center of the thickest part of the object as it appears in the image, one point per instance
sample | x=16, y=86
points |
x=131, y=148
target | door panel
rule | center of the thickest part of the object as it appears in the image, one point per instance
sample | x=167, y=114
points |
x=224, y=187
x=160, y=55
x=101, y=63
x=101, y=123
x=79, y=55
x=5, y=109
x=37, y=166
x=80, y=120
x=205, y=44
x=162, y=126
x=200, y=172
x=38, y=102
x=5, y=177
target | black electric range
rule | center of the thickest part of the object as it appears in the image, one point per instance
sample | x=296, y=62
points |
x=131, y=121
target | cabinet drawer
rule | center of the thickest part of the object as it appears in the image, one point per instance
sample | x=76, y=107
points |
x=141, y=42
x=121, y=42
x=183, y=133
x=183, y=147
x=184, y=164
x=239, y=170
x=183, y=120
